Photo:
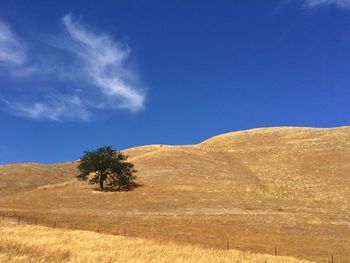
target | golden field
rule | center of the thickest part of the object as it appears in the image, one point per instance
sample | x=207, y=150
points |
x=282, y=187
x=24, y=243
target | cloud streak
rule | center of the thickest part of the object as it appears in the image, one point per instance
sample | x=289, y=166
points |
x=103, y=63
x=92, y=75
x=12, y=51
x=343, y=4
x=54, y=108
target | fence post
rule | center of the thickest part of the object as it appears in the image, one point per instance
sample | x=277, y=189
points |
x=98, y=228
x=275, y=251
x=332, y=258
x=228, y=244
x=154, y=235
x=124, y=232
x=36, y=221
x=188, y=239
x=55, y=224
x=76, y=225
x=19, y=219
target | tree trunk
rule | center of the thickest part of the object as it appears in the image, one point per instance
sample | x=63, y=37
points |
x=101, y=183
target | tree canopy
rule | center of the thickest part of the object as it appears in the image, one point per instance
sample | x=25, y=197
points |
x=107, y=166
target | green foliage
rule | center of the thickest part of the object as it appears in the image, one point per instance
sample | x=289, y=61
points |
x=105, y=165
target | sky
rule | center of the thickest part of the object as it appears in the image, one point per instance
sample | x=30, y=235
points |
x=80, y=74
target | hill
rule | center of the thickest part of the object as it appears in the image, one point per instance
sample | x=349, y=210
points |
x=287, y=187
x=27, y=176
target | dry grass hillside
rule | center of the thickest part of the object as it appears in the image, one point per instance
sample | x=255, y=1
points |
x=27, y=176
x=285, y=187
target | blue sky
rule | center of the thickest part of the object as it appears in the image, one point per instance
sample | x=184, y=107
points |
x=76, y=75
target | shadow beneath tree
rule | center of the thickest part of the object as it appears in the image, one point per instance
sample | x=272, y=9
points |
x=125, y=188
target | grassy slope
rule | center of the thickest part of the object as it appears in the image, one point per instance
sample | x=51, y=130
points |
x=258, y=188
x=28, y=244
x=27, y=176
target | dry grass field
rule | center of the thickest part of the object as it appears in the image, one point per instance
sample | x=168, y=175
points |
x=24, y=243
x=259, y=189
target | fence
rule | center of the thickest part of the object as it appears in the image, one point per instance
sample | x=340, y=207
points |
x=204, y=240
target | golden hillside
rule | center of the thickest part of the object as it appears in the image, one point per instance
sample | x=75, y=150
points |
x=286, y=186
x=26, y=176
x=305, y=164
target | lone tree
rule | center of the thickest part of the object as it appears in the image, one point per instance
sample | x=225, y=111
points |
x=106, y=165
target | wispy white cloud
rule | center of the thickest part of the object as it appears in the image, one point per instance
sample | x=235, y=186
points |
x=344, y=4
x=12, y=51
x=94, y=70
x=55, y=108
x=103, y=62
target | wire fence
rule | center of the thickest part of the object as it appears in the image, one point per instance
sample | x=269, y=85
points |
x=274, y=246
